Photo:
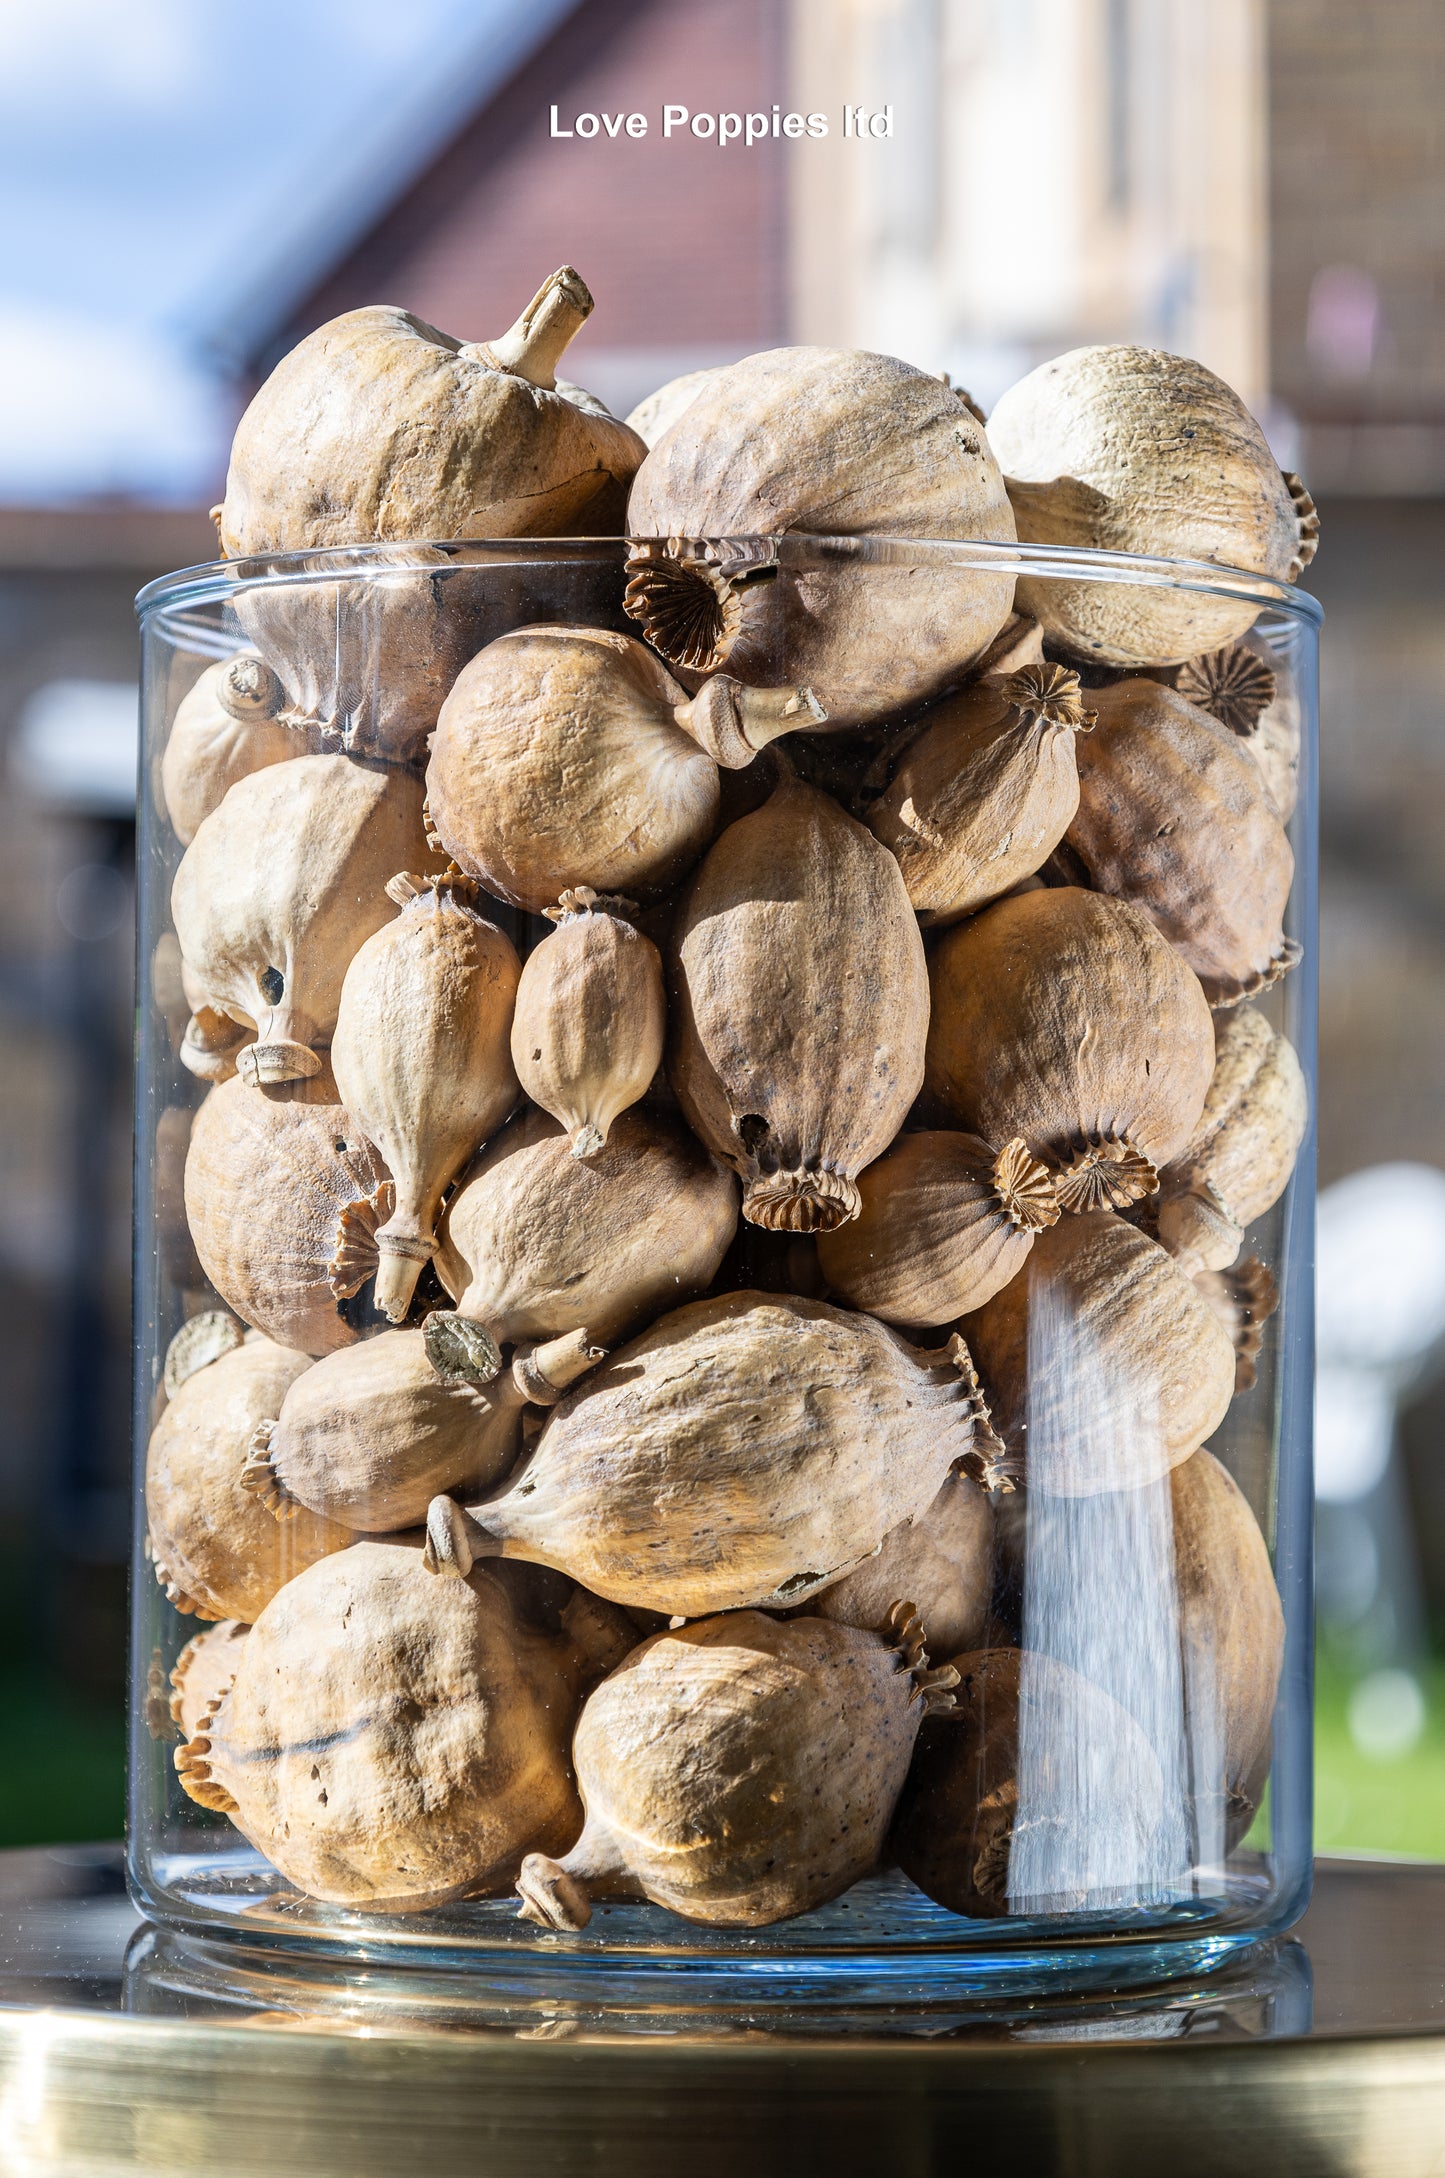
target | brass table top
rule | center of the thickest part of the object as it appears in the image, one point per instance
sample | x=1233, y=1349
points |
x=124, y=2050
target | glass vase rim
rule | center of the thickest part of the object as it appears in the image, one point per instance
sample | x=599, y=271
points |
x=214, y=581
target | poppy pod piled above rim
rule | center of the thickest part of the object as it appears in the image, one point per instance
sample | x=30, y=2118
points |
x=740, y=1770
x=801, y=1007
x=827, y=441
x=1065, y=1017
x=1128, y=449
x=377, y=426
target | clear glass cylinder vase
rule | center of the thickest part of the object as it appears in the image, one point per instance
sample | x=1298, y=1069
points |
x=633, y=1167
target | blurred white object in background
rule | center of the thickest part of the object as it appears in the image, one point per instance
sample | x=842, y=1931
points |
x=75, y=747
x=1381, y=1274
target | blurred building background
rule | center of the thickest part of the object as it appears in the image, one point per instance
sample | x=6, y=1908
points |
x=1260, y=183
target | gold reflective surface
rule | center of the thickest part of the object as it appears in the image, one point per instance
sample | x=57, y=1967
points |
x=1323, y=2052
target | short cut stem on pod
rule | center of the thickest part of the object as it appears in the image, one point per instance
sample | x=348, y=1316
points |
x=801, y=1007
x=591, y=1017
x=986, y=791
x=421, y=1057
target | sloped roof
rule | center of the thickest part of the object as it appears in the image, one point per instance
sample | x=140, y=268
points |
x=384, y=161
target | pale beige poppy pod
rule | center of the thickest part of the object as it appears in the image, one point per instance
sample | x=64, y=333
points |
x=216, y=1552
x=591, y=1016
x=421, y=1058
x=279, y=889
x=821, y=441
x=231, y=722
x=390, y=1741
x=377, y=426
x=568, y=756
x=1130, y=449
x=943, y=1559
x=202, y=1673
x=746, y=1450
x=741, y=1770
x=800, y=1007
x=657, y=412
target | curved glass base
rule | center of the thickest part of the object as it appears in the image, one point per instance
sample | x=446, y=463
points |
x=884, y=1942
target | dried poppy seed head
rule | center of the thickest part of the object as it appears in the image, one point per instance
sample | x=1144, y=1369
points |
x=1233, y=685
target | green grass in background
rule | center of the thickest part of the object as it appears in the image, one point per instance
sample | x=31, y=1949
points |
x=1378, y=1802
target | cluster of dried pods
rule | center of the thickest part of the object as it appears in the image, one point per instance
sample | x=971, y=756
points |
x=631, y=1328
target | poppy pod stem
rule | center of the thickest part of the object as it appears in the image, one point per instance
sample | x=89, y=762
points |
x=535, y=345
x=733, y=722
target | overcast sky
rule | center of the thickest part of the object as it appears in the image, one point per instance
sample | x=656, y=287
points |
x=156, y=158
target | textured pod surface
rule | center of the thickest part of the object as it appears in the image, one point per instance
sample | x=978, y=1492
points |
x=987, y=791
x=422, y=1060
x=392, y=1741
x=557, y=762
x=942, y=1561
x=1245, y=687
x=378, y=426
x=737, y=1771
x=591, y=1018
x=946, y=1221
x=203, y=1673
x=371, y=1434
x=1102, y=1363
x=1069, y=1827
x=1243, y=1296
x=1128, y=449
x=225, y=728
x=215, y=1550
x=1174, y=817
x=744, y=1450
x=280, y=888
x=829, y=441
x=1243, y=1151
x=1068, y=1019
x=1232, y=1627
x=283, y=1197
x=801, y=1007
x=536, y=1241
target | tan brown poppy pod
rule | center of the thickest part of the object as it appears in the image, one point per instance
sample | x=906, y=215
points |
x=946, y=1221
x=1066, y=1017
x=226, y=727
x=986, y=1834
x=943, y=1559
x=280, y=888
x=801, y=1007
x=1241, y=687
x=421, y=1057
x=1173, y=816
x=378, y=426
x=392, y=1741
x=569, y=756
x=1232, y=1627
x=216, y=1552
x=1102, y=1363
x=659, y=411
x=536, y=1241
x=747, y=1449
x=1243, y=1151
x=203, y=1673
x=824, y=441
x=1126, y=449
x=591, y=1017
x=987, y=791
x=372, y=1433
x=283, y=1196
x=740, y=1771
